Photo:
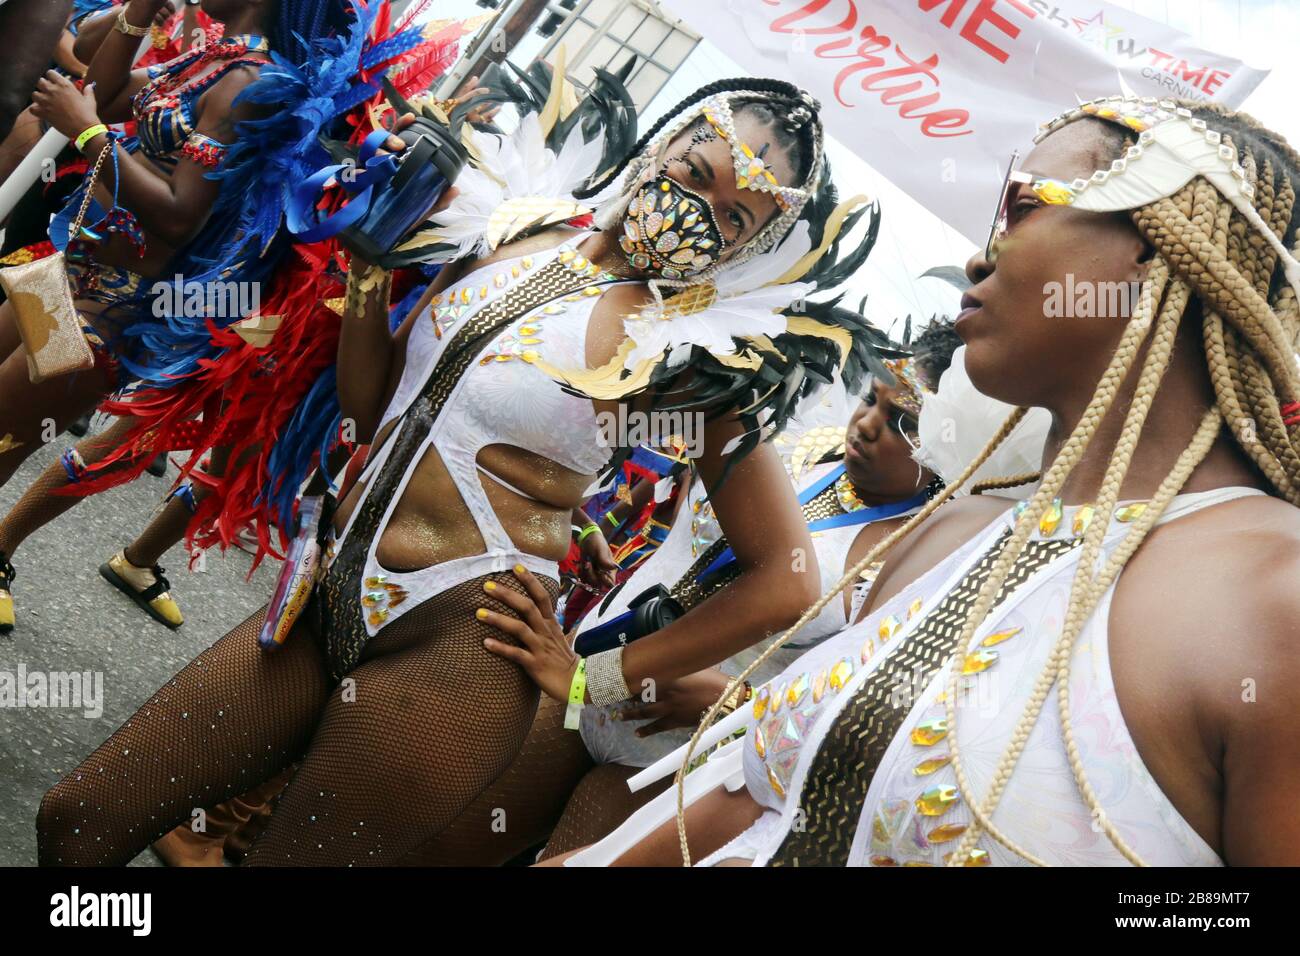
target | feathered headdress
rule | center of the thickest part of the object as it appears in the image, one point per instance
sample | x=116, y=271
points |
x=753, y=339
x=526, y=180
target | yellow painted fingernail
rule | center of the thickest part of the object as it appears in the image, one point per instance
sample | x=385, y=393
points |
x=481, y=614
x=519, y=569
x=489, y=585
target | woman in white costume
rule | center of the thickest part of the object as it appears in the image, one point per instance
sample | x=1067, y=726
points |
x=1098, y=675
x=856, y=485
x=483, y=424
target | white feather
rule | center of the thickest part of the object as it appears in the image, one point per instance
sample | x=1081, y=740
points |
x=957, y=422
x=515, y=166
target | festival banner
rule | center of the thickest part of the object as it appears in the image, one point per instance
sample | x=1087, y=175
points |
x=935, y=94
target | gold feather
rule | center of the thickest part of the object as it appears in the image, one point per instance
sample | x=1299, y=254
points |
x=551, y=111
x=425, y=237
x=606, y=383
x=258, y=330
x=515, y=216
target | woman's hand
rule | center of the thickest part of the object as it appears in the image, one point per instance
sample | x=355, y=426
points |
x=598, y=569
x=482, y=114
x=155, y=11
x=58, y=102
x=547, y=653
x=165, y=13
x=679, y=704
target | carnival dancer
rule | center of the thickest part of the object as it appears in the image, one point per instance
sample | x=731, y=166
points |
x=485, y=439
x=853, y=498
x=244, y=249
x=1013, y=717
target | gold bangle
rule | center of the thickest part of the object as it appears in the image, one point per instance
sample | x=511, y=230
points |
x=132, y=31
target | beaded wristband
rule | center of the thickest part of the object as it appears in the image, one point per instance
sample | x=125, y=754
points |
x=582, y=535
x=98, y=129
x=605, y=683
x=577, y=695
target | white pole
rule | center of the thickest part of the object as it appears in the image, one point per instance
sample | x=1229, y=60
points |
x=29, y=170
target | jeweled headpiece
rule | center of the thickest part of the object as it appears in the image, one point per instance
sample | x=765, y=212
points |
x=909, y=393
x=1173, y=147
x=752, y=172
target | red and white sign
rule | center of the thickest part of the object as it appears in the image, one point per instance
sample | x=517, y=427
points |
x=935, y=94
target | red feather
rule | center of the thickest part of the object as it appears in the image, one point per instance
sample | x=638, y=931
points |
x=426, y=63
x=245, y=397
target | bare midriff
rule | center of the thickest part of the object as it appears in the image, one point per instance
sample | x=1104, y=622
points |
x=431, y=523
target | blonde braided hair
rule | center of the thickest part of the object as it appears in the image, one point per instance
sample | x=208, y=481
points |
x=1010, y=481
x=1251, y=366
x=1205, y=253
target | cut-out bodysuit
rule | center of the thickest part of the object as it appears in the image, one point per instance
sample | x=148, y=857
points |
x=502, y=399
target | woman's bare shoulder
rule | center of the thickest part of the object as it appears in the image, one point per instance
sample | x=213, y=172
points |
x=535, y=243
x=1237, y=562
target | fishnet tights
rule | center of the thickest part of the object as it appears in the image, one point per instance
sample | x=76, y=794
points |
x=522, y=805
x=551, y=788
x=599, y=805
x=423, y=724
x=229, y=721
x=166, y=530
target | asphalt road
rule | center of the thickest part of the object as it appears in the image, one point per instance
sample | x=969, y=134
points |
x=70, y=619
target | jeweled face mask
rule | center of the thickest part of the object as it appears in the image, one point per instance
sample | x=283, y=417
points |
x=670, y=231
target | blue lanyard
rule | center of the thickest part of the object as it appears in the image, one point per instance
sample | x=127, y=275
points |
x=848, y=519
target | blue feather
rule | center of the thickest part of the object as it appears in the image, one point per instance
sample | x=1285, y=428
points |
x=244, y=238
x=313, y=428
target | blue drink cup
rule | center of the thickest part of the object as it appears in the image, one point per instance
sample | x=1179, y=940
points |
x=431, y=162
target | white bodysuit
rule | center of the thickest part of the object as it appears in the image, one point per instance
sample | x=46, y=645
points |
x=912, y=813
x=501, y=399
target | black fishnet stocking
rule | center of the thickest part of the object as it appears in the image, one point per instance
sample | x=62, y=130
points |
x=418, y=729
x=521, y=806
x=598, y=806
x=37, y=507
x=165, y=531
x=230, y=720
x=421, y=727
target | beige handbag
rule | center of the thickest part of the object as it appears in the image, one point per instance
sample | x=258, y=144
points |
x=48, y=322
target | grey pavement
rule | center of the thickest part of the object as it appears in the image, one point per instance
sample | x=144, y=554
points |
x=71, y=619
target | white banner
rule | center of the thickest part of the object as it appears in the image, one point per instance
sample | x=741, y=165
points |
x=935, y=94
